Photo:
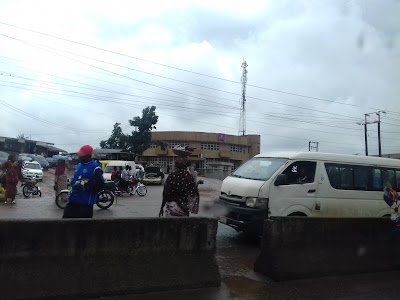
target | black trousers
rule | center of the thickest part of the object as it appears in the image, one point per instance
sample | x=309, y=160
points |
x=74, y=210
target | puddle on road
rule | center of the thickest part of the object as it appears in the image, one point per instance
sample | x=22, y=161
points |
x=245, y=289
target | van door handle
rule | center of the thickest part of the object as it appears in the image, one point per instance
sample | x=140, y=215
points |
x=311, y=191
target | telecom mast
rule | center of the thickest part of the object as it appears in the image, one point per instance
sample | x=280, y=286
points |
x=242, y=122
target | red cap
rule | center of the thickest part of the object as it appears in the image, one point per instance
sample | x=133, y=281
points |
x=85, y=150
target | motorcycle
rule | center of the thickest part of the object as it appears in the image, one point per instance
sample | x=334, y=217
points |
x=133, y=185
x=30, y=188
x=105, y=197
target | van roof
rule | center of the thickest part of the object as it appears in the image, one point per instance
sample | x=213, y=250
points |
x=333, y=157
x=118, y=163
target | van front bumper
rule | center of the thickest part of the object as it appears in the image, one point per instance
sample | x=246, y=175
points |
x=242, y=218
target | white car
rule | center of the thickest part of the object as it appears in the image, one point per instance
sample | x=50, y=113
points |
x=153, y=175
x=31, y=169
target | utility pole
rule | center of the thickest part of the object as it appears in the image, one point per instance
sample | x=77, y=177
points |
x=313, y=146
x=242, y=122
x=378, y=113
x=366, y=134
x=365, y=123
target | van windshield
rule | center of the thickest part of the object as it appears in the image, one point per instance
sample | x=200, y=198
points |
x=109, y=169
x=259, y=168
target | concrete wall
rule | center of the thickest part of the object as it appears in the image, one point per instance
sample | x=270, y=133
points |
x=294, y=248
x=56, y=258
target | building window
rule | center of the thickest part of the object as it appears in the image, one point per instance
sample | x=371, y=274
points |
x=152, y=145
x=177, y=144
x=210, y=146
x=240, y=149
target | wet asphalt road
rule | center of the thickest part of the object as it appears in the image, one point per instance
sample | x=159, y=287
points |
x=235, y=255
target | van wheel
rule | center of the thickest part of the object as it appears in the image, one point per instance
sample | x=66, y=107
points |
x=297, y=214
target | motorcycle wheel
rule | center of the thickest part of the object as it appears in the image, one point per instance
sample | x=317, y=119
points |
x=141, y=190
x=105, y=199
x=29, y=191
x=62, y=199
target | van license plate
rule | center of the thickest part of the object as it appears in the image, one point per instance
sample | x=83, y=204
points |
x=222, y=220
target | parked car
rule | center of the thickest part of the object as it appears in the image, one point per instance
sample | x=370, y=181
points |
x=139, y=167
x=41, y=160
x=23, y=158
x=31, y=169
x=3, y=157
x=52, y=162
x=153, y=175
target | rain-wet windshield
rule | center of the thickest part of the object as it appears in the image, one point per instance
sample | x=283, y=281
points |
x=259, y=168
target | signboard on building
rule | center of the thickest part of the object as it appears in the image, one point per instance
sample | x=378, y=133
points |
x=221, y=137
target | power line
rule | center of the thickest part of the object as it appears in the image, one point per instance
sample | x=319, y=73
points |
x=172, y=67
x=97, y=98
x=161, y=87
x=40, y=46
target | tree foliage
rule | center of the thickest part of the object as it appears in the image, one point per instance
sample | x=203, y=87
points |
x=140, y=139
x=117, y=140
x=22, y=136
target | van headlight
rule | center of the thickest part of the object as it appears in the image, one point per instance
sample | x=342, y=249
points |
x=260, y=203
x=251, y=202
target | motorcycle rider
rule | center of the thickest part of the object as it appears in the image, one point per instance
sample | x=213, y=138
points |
x=124, y=178
x=87, y=182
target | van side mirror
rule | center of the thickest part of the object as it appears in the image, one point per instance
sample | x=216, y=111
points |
x=281, y=180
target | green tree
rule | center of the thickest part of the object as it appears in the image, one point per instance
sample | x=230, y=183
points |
x=140, y=139
x=117, y=140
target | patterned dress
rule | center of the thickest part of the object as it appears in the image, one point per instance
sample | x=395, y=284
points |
x=178, y=188
x=11, y=169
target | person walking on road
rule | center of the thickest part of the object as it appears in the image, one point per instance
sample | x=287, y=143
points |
x=60, y=177
x=11, y=169
x=178, y=189
x=87, y=182
x=195, y=175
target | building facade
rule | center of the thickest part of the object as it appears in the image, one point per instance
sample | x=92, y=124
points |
x=16, y=146
x=215, y=155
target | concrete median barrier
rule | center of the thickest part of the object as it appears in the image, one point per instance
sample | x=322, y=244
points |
x=78, y=258
x=300, y=247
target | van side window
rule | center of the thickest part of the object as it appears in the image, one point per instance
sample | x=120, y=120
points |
x=362, y=178
x=397, y=181
x=300, y=172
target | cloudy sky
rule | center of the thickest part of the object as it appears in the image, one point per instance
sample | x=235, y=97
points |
x=71, y=69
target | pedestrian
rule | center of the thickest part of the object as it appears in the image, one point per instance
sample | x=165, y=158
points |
x=11, y=169
x=87, y=182
x=60, y=178
x=195, y=175
x=178, y=189
x=168, y=169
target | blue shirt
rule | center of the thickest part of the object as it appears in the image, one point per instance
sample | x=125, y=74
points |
x=84, y=172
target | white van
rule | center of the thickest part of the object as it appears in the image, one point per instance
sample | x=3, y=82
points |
x=307, y=184
x=118, y=163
